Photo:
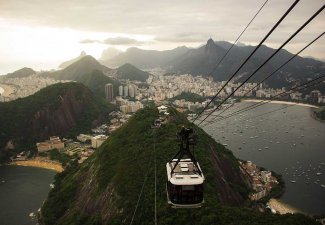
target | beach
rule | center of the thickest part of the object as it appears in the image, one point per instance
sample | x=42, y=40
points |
x=281, y=207
x=6, y=90
x=41, y=163
x=281, y=102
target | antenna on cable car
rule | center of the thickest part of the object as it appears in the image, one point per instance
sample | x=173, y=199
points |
x=186, y=138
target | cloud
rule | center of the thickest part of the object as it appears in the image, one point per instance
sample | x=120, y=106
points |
x=89, y=41
x=185, y=37
x=121, y=41
x=114, y=41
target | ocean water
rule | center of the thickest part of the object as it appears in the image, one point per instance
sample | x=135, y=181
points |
x=22, y=191
x=288, y=141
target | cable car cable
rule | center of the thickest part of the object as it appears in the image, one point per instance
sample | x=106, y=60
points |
x=285, y=63
x=251, y=54
x=269, y=100
x=263, y=102
x=274, y=53
x=229, y=49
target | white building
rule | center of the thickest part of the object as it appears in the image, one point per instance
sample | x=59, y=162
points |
x=120, y=90
x=98, y=140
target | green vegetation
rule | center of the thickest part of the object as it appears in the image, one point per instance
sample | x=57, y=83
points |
x=128, y=71
x=63, y=109
x=61, y=157
x=192, y=97
x=96, y=81
x=105, y=188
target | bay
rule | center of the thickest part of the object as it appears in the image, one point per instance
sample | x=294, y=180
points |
x=288, y=141
x=22, y=191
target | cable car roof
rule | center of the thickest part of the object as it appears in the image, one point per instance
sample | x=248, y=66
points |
x=184, y=173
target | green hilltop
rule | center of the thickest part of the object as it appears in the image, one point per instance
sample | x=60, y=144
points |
x=128, y=71
x=105, y=188
x=61, y=109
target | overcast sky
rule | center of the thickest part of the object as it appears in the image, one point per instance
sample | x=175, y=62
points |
x=43, y=33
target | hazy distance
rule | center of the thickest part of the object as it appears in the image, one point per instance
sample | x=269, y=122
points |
x=42, y=34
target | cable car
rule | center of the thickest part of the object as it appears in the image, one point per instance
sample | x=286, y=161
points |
x=184, y=174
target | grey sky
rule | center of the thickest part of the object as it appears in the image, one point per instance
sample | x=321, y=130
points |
x=169, y=23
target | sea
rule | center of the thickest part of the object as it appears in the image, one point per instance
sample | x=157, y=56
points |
x=22, y=192
x=284, y=139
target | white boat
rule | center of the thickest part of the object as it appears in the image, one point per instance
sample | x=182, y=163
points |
x=225, y=144
x=318, y=174
x=323, y=185
x=293, y=181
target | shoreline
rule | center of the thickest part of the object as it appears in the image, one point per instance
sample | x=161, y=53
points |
x=282, y=208
x=281, y=102
x=40, y=163
x=7, y=90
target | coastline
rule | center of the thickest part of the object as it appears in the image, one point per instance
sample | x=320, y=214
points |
x=281, y=102
x=7, y=90
x=40, y=163
x=281, y=207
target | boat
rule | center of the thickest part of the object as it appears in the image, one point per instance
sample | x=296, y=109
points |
x=293, y=181
x=323, y=185
x=225, y=144
x=318, y=174
x=260, y=149
x=266, y=147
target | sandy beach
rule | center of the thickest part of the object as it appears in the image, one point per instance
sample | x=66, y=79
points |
x=7, y=90
x=281, y=207
x=39, y=162
x=282, y=102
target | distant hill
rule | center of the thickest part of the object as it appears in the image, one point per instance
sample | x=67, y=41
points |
x=24, y=72
x=90, y=72
x=61, y=109
x=76, y=70
x=128, y=71
x=106, y=188
x=145, y=59
x=202, y=60
x=96, y=81
x=69, y=62
x=109, y=53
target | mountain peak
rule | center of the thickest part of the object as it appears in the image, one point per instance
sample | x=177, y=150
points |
x=82, y=54
x=210, y=47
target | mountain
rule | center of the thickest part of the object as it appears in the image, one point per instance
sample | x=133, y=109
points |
x=107, y=187
x=69, y=62
x=76, y=70
x=24, y=72
x=90, y=72
x=109, y=53
x=128, y=71
x=96, y=81
x=61, y=109
x=202, y=61
x=145, y=59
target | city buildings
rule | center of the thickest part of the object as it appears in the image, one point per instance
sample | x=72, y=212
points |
x=53, y=143
x=98, y=140
x=109, y=95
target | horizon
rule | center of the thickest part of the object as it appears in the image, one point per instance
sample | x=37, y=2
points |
x=33, y=37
